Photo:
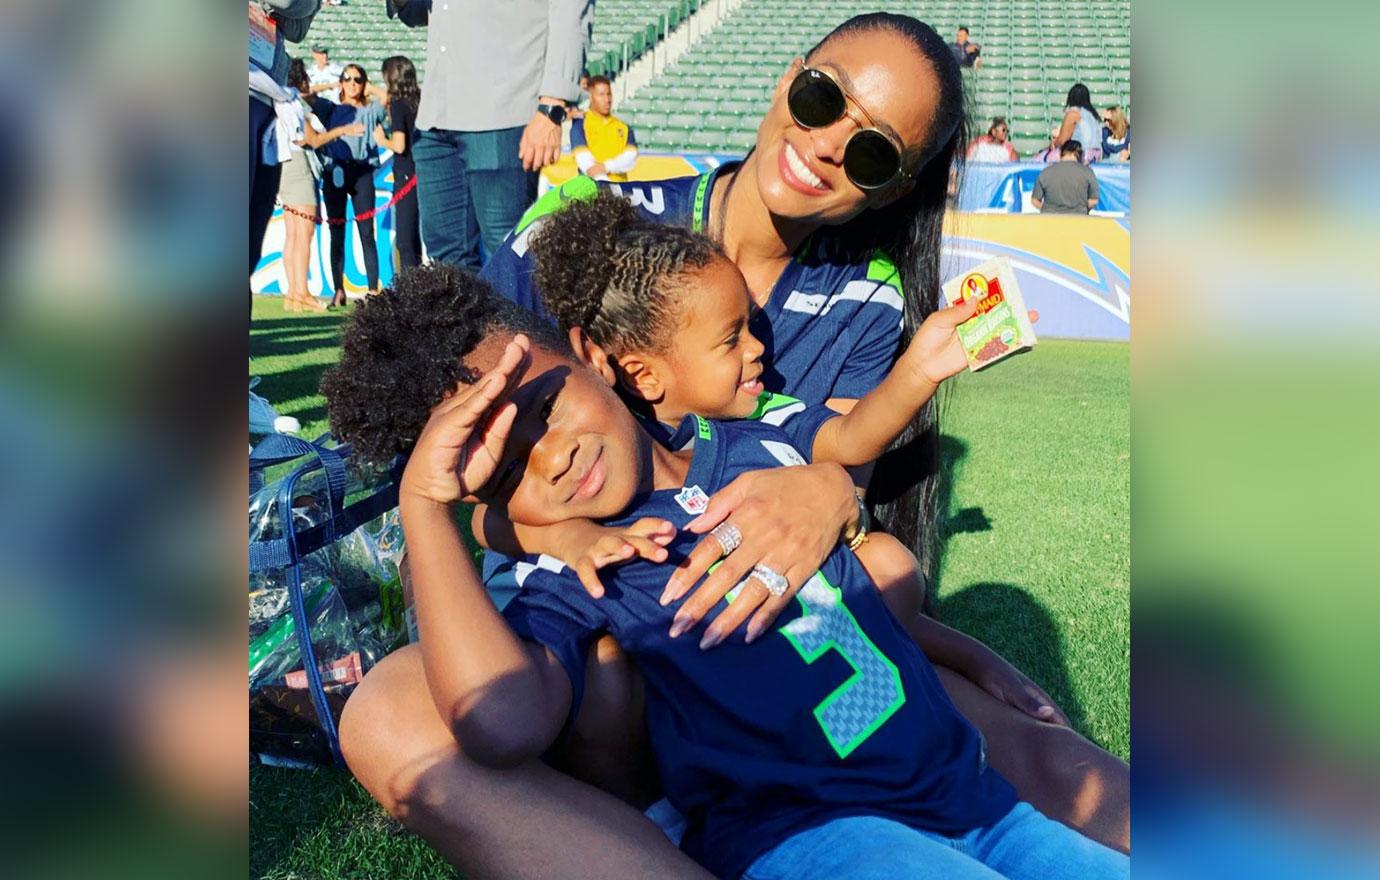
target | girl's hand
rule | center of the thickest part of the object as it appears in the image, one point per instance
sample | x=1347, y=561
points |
x=459, y=449
x=1011, y=686
x=936, y=352
x=645, y=539
x=790, y=519
x=354, y=129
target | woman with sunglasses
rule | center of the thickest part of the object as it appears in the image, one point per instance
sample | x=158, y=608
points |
x=349, y=176
x=836, y=212
x=298, y=192
x=995, y=146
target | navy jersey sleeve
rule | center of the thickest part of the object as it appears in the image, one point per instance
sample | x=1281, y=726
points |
x=510, y=269
x=577, y=134
x=632, y=137
x=553, y=609
x=322, y=107
x=338, y=115
x=800, y=421
x=873, y=335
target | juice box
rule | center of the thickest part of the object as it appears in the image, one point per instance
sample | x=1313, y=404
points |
x=1001, y=326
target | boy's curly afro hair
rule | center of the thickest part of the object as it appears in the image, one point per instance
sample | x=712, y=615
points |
x=403, y=353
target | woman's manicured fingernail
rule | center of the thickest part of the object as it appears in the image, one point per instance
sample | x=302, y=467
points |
x=679, y=625
x=753, y=631
x=710, y=640
x=1046, y=711
x=668, y=594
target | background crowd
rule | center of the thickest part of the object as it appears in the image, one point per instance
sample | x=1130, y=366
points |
x=464, y=164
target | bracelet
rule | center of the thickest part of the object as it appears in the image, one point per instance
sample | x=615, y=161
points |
x=859, y=537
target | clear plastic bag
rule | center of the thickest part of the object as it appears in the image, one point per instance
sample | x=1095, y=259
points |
x=351, y=596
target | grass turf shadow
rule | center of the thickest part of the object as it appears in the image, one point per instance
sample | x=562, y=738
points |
x=1002, y=616
x=1011, y=622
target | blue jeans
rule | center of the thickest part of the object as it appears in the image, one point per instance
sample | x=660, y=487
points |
x=1022, y=845
x=470, y=186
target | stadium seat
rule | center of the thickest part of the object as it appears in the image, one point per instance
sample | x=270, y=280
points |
x=713, y=96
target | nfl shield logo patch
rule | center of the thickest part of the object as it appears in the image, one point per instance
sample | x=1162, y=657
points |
x=692, y=500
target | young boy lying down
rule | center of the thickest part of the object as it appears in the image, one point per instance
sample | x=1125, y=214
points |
x=826, y=748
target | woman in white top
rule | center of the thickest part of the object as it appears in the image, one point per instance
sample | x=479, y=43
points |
x=298, y=193
x=995, y=146
x=1081, y=123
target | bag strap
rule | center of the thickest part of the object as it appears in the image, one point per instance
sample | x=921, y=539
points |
x=278, y=448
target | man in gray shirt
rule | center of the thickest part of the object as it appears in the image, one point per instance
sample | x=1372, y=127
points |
x=1068, y=186
x=499, y=77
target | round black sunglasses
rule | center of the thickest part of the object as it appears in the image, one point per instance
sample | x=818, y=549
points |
x=871, y=159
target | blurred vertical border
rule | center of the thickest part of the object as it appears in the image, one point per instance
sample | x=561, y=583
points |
x=123, y=340
x=123, y=343
x=1256, y=408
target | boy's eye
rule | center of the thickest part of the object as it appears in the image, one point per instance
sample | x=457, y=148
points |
x=505, y=481
x=509, y=472
x=732, y=341
x=548, y=407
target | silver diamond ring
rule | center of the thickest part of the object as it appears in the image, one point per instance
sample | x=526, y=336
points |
x=775, y=583
x=728, y=536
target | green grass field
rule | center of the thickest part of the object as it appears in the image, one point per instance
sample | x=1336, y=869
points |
x=1036, y=564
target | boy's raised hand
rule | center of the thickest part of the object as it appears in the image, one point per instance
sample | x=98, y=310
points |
x=936, y=352
x=459, y=449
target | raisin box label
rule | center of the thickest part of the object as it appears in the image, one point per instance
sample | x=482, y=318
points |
x=1001, y=326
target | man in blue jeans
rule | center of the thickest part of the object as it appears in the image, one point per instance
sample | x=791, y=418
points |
x=498, y=81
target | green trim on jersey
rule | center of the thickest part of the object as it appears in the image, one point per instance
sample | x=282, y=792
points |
x=868, y=698
x=768, y=401
x=575, y=189
x=697, y=213
x=872, y=694
x=880, y=268
x=704, y=430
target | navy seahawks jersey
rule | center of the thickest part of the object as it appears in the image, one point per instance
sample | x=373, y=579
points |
x=830, y=326
x=799, y=420
x=834, y=712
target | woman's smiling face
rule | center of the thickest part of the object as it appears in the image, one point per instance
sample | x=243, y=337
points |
x=352, y=83
x=800, y=172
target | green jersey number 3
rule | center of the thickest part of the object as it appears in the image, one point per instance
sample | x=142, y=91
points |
x=872, y=694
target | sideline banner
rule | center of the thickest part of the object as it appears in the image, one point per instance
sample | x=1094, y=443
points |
x=1076, y=271
x=268, y=277
x=995, y=187
x=1007, y=186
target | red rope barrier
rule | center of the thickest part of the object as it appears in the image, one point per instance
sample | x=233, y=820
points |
x=398, y=196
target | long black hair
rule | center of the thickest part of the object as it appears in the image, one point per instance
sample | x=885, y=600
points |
x=297, y=77
x=1079, y=96
x=904, y=490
